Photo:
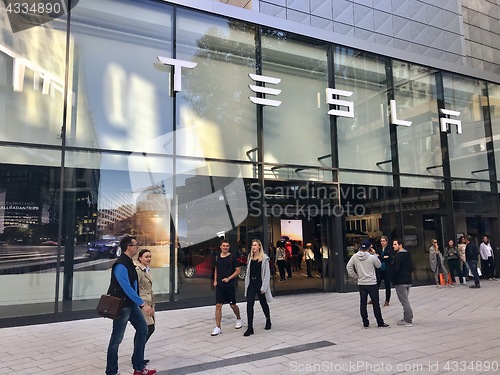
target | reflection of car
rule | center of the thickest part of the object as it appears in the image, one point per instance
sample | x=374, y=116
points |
x=201, y=263
x=106, y=246
x=49, y=243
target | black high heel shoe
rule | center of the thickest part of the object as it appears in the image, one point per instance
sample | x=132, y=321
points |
x=249, y=331
x=268, y=324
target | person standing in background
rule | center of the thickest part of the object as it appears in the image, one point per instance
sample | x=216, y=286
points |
x=436, y=263
x=402, y=269
x=452, y=257
x=487, y=259
x=472, y=254
x=362, y=266
x=309, y=258
x=386, y=256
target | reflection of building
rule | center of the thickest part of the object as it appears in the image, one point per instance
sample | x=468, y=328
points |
x=113, y=209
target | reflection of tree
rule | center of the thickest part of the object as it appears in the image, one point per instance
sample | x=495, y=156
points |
x=214, y=93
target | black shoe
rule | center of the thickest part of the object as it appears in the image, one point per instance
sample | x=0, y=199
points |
x=385, y=325
x=268, y=324
x=366, y=325
x=475, y=286
x=248, y=332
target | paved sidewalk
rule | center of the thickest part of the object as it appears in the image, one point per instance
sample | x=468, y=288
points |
x=456, y=331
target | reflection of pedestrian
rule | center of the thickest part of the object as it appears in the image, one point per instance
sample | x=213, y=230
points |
x=145, y=280
x=257, y=281
x=362, y=266
x=181, y=265
x=226, y=271
x=124, y=284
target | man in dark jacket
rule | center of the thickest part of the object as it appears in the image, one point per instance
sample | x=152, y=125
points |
x=124, y=284
x=471, y=256
x=401, y=279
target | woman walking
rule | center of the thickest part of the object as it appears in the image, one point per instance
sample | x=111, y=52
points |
x=145, y=281
x=257, y=284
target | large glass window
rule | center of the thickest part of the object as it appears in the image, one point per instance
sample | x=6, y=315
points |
x=213, y=106
x=364, y=140
x=32, y=82
x=494, y=108
x=298, y=130
x=370, y=211
x=424, y=218
x=120, y=92
x=122, y=194
x=467, y=151
x=29, y=213
x=415, y=95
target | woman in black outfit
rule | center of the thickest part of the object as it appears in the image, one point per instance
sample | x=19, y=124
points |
x=257, y=281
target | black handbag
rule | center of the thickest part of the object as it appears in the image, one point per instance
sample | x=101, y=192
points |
x=109, y=306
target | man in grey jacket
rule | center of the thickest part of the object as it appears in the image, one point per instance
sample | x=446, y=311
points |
x=362, y=266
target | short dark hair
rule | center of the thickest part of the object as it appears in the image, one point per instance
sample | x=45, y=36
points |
x=468, y=238
x=224, y=241
x=400, y=242
x=142, y=252
x=125, y=241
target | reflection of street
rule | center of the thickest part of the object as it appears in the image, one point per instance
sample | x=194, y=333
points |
x=15, y=259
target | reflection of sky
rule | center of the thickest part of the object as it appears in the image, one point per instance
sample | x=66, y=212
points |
x=127, y=93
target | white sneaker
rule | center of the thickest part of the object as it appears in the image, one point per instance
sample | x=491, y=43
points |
x=216, y=331
x=239, y=324
x=405, y=324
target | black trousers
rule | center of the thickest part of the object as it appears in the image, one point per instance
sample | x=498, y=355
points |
x=386, y=276
x=364, y=291
x=253, y=291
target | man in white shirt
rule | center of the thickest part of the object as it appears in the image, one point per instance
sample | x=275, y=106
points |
x=487, y=259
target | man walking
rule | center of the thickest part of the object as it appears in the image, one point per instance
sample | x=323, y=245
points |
x=402, y=269
x=487, y=259
x=471, y=255
x=226, y=270
x=124, y=284
x=362, y=266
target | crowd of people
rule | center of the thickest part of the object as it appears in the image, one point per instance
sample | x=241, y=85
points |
x=370, y=266
x=133, y=283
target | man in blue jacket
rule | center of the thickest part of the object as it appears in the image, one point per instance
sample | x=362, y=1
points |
x=124, y=285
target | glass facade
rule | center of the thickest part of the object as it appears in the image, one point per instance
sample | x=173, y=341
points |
x=181, y=128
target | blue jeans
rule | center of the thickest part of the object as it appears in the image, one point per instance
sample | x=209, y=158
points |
x=134, y=315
